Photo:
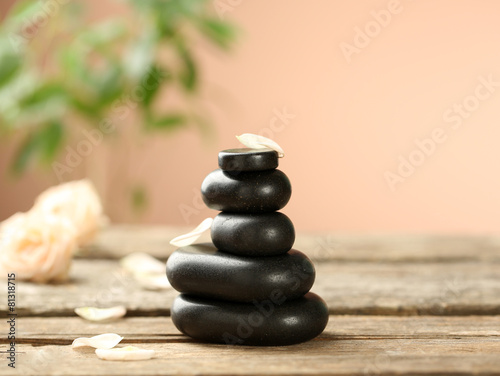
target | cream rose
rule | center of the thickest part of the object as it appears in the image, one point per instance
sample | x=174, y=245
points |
x=35, y=247
x=78, y=202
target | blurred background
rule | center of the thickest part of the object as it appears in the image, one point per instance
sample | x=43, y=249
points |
x=387, y=110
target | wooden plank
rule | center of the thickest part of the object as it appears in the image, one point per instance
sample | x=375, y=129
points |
x=455, y=288
x=342, y=357
x=349, y=346
x=63, y=330
x=119, y=240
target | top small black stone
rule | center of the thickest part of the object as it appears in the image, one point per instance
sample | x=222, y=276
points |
x=245, y=159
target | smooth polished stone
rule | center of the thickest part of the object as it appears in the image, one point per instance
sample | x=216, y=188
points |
x=264, y=234
x=246, y=192
x=272, y=322
x=202, y=270
x=246, y=159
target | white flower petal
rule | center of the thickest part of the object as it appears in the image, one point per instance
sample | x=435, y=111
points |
x=260, y=142
x=153, y=281
x=102, y=341
x=140, y=262
x=191, y=237
x=38, y=247
x=101, y=314
x=125, y=353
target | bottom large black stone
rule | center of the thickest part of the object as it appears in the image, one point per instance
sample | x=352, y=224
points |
x=271, y=322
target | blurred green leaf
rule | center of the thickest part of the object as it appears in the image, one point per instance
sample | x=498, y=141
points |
x=25, y=153
x=92, y=68
x=139, y=198
x=46, y=102
x=8, y=67
x=173, y=11
x=22, y=13
x=11, y=95
x=183, y=7
x=80, y=84
x=82, y=106
x=102, y=34
x=73, y=64
x=169, y=122
x=109, y=85
x=10, y=63
x=220, y=32
x=142, y=5
x=76, y=10
x=189, y=74
x=51, y=138
x=43, y=93
x=42, y=143
x=152, y=81
x=140, y=55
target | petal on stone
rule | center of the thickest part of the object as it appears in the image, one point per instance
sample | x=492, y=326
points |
x=191, y=237
x=260, y=142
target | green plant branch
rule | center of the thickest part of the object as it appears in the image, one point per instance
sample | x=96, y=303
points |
x=70, y=68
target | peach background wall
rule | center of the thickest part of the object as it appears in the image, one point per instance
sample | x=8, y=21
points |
x=423, y=75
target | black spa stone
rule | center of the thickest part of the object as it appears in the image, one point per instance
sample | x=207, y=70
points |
x=248, y=159
x=264, y=234
x=271, y=322
x=202, y=270
x=246, y=192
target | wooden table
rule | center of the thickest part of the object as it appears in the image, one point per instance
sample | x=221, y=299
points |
x=398, y=304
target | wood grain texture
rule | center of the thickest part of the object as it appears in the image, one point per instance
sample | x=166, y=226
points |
x=458, y=288
x=400, y=305
x=63, y=330
x=119, y=240
x=349, y=346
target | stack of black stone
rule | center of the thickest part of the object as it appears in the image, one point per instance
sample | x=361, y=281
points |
x=249, y=287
